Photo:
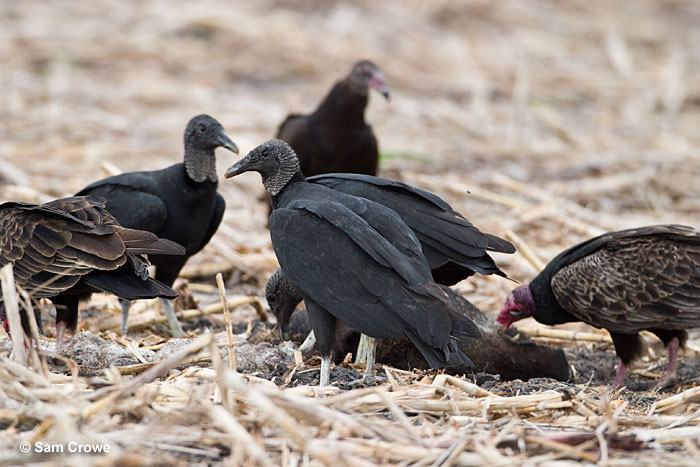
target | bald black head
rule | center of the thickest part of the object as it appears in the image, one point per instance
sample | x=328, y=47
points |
x=366, y=75
x=206, y=133
x=282, y=298
x=203, y=135
x=274, y=160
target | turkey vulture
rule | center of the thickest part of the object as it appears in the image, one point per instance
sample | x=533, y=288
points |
x=335, y=137
x=355, y=260
x=70, y=248
x=646, y=278
x=179, y=203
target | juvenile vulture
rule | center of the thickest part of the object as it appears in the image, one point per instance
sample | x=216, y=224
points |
x=356, y=260
x=646, y=278
x=70, y=248
x=335, y=137
x=179, y=203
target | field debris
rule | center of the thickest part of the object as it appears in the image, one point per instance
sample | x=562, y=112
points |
x=552, y=120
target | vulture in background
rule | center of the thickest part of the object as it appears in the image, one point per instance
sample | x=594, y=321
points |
x=454, y=247
x=179, y=203
x=70, y=248
x=335, y=137
x=354, y=260
x=629, y=281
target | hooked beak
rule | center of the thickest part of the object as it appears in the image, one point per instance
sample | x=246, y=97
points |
x=283, y=332
x=378, y=83
x=227, y=143
x=237, y=168
x=502, y=317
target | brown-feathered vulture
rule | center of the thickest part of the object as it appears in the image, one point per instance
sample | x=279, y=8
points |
x=335, y=137
x=629, y=281
x=355, y=260
x=179, y=203
x=70, y=248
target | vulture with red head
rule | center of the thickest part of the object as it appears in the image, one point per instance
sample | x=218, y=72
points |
x=629, y=281
x=335, y=136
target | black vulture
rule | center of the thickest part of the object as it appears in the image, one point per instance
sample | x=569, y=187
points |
x=282, y=298
x=355, y=260
x=335, y=137
x=646, y=278
x=499, y=351
x=179, y=203
x=70, y=248
x=453, y=246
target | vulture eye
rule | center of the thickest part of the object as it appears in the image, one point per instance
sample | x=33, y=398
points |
x=265, y=154
x=514, y=312
x=202, y=128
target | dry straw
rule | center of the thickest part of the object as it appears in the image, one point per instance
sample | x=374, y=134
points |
x=554, y=120
x=435, y=420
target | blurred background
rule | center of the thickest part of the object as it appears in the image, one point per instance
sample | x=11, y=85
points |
x=554, y=119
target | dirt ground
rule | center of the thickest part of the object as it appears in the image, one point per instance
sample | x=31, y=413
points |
x=556, y=120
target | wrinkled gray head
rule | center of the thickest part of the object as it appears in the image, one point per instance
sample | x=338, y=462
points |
x=282, y=298
x=366, y=75
x=203, y=135
x=274, y=160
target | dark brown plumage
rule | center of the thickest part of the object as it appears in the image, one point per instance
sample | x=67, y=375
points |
x=626, y=282
x=70, y=248
x=335, y=137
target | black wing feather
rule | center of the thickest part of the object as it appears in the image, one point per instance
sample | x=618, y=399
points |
x=367, y=292
x=449, y=236
x=133, y=199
